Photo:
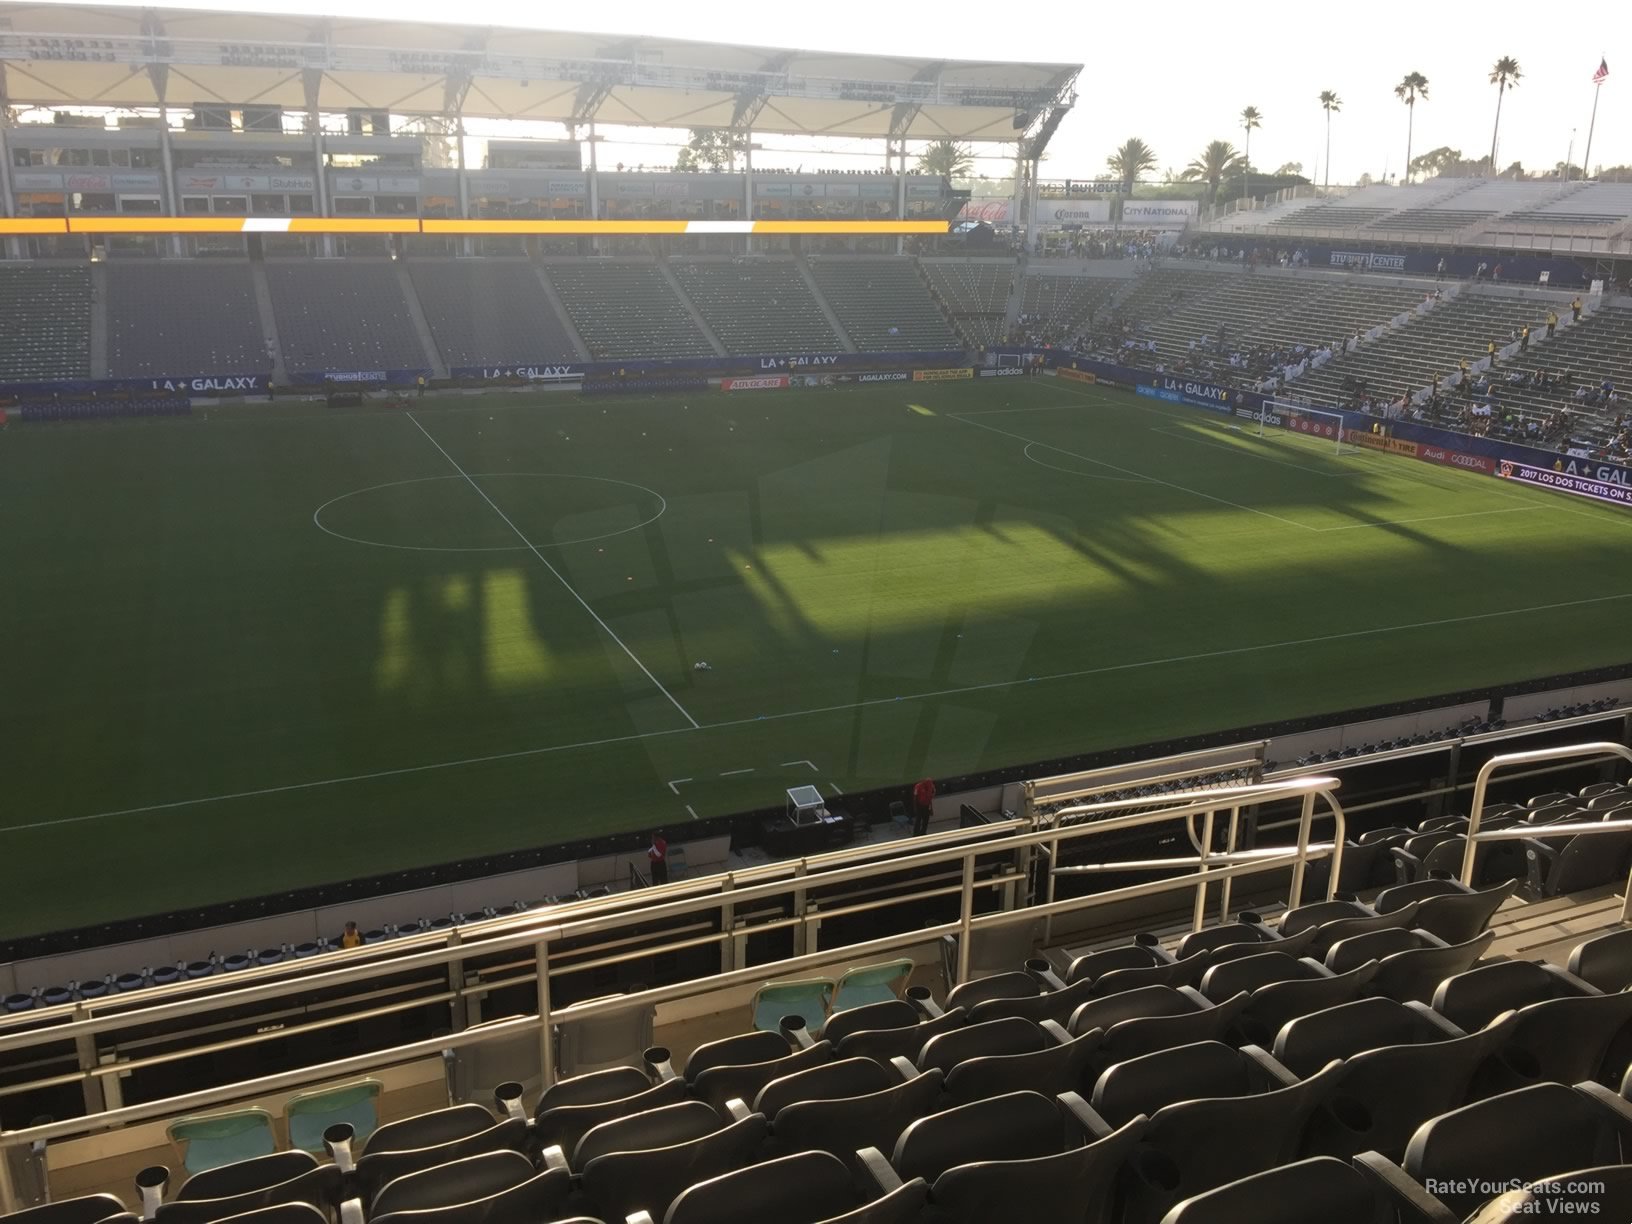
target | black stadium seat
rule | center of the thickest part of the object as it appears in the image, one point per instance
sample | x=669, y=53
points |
x=805, y=1188
x=648, y=1178
x=847, y=1077
x=843, y=1125
x=1605, y=961
x=1320, y=1190
x=89, y=1209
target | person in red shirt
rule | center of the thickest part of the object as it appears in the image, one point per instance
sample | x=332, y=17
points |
x=923, y=803
x=657, y=854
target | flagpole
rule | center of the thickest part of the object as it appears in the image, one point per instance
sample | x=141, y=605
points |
x=1586, y=158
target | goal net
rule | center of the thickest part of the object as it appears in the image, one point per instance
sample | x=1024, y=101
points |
x=1320, y=426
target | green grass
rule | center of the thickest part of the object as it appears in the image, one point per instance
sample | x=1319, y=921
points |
x=204, y=696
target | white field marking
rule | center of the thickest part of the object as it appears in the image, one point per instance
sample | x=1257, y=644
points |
x=1054, y=467
x=1223, y=501
x=675, y=785
x=1186, y=436
x=812, y=764
x=693, y=812
x=731, y=773
x=834, y=789
x=1434, y=518
x=317, y=520
x=1379, y=631
x=545, y=562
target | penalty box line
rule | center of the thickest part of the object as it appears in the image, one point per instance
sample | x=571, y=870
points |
x=519, y=753
x=559, y=577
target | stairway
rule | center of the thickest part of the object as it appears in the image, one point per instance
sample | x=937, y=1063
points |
x=826, y=307
x=422, y=328
x=269, y=322
x=691, y=306
x=562, y=313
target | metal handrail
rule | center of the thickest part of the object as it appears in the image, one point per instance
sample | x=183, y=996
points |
x=1481, y=783
x=1182, y=804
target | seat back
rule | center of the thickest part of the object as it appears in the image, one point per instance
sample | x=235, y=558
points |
x=847, y=1077
x=1586, y=861
x=1563, y=1040
x=1209, y=938
x=907, y=1042
x=1146, y=1084
x=1054, y=1069
x=1014, y=1126
x=565, y=1125
x=212, y=1140
x=1414, y=975
x=1093, y=965
x=1147, y=1034
x=1318, y=913
x=1007, y=1036
x=540, y=1197
x=754, y=1047
x=320, y=1187
x=87, y=1209
x=378, y=1169
x=1473, y=998
x=429, y=1129
x=1107, y=1010
x=1231, y=977
x=613, y=1084
x=309, y=1114
x=1071, y=1187
x=621, y=1183
x=720, y=1084
x=806, y=1186
x=893, y=1013
x=1345, y=954
x=1605, y=961
x=1457, y=918
x=1014, y=984
x=1528, y=1134
x=1197, y=1145
x=844, y=1125
x=1186, y=972
x=1382, y=1096
x=284, y=1213
x=1270, y=1007
x=1604, y=1193
x=654, y=1128
x=246, y=1175
x=608, y=1040
x=872, y=984
x=1330, y=1191
x=1308, y=1043
x=1329, y=933
x=1055, y=1005
x=807, y=998
x=456, y=1181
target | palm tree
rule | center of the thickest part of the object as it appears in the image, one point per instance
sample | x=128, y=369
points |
x=1214, y=164
x=1329, y=102
x=1251, y=117
x=947, y=158
x=1131, y=159
x=1414, y=86
x=1505, y=75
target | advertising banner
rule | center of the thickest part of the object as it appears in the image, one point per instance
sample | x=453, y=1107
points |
x=1158, y=214
x=234, y=384
x=1188, y=391
x=526, y=373
x=941, y=375
x=1379, y=442
x=1004, y=372
x=884, y=376
x=1319, y=426
x=1083, y=376
x=1452, y=458
x=1581, y=486
x=1077, y=212
x=764, y=383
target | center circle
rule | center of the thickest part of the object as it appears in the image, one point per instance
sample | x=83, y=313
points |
x=453, y=514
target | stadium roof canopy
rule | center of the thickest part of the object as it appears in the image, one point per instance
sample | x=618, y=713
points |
x=90, y=55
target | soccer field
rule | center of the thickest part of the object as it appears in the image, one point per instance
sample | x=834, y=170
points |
x=271, y=646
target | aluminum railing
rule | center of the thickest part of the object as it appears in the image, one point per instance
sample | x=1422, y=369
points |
x=542, y=934
x=1572, y=752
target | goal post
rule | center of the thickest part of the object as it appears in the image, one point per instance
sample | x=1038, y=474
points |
x=1316, y=424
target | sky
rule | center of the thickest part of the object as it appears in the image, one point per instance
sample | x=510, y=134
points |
x=1178, y=75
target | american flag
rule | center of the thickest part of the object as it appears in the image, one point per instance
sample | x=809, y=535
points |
x=1603, y=72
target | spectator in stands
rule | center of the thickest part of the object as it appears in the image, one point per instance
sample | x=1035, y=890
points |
x=1479, y=272
x=1575, y=309
x=351, y=937
x=1496, y=274
x=1524, y=338
x=923, y=804
x=657, y=856
x=1552, y=323
x=1439, y=272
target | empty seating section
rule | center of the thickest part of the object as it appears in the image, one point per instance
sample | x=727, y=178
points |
x=45, y=321
x=343, y=317
x=1331, y=216
x=173, y=318
x=1435, y=219
x=757, y=306
x=490, y=313
x=974, y=293
x=1344, y=1060
x=626, y=309
x=884, y=305
x=1443, y=206
x=1063, y=306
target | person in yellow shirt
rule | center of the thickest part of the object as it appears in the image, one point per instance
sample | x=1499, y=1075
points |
x=351, y=937
x=1552, y=323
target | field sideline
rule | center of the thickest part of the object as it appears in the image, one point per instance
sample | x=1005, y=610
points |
x=269, y=647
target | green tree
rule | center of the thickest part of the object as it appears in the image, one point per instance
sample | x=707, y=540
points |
x=1413, y=86
x=711, y=149
x=1288, y=169
x=1251, y=117
x=947, y=158
x=1505, y=75
x=1217, y=161
x=1329, y=102
x=1130, y=159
